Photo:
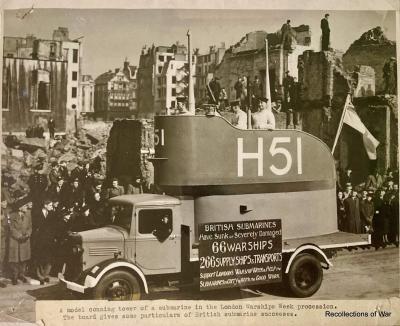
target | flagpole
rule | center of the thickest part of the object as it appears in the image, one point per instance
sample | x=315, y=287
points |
x=340, y=123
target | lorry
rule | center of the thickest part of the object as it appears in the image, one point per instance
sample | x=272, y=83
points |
x=212, y=173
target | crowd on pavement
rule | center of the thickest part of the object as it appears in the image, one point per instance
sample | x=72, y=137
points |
x=33, y=227
x=370, y=207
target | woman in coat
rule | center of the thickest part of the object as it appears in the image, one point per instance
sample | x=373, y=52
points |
x=19, y=242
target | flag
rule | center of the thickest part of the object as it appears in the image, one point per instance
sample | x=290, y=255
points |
x=352, y=119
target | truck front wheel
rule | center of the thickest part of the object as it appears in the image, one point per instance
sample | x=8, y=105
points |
x=117, y=285
x=305, y=275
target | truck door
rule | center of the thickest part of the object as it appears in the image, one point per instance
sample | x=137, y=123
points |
x=158, y=248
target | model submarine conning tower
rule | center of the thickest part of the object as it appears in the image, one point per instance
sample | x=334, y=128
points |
x=207, y=155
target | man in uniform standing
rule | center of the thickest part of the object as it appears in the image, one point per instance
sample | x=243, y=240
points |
x=325, y=32
x=19, y=247
x=264, y=118
x=37, y=186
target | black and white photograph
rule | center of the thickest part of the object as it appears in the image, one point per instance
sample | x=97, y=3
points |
x=227, y=158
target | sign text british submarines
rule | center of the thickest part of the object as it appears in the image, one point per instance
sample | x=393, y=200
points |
x=240, y=253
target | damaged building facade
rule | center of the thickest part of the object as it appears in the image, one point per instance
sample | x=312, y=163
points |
x=40, y=79
x=157, y=90
x=247, y=59
x=115, y=93
x=326, y=79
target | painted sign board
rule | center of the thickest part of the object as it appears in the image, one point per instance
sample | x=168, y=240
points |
x=234, y=254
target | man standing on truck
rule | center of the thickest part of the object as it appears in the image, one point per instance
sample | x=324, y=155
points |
x=264, y=118
x=240, y=118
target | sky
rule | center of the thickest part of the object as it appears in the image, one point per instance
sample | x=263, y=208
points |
x=111, y=35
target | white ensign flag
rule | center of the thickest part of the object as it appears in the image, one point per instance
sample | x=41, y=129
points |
x=352, y=119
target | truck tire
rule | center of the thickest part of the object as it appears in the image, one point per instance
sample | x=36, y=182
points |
x=305, y=275
x=117, y=285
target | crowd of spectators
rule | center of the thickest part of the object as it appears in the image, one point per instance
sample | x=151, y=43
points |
x=370, y=207
x=33, y=227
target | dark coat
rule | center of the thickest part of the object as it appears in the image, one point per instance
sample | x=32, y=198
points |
x=55, y=193
x=98, y=211
x=215, y=89
x=80, y=174
x=113, y=192
x=238, y=89
x=19, y=241
x=380, y=220
x=74, y=196
x=4, y=233
x=341, y=214
x=325, y=25
x=51, y=124
x=37, y=184
x=352, y=208
x=44, y=244
x=53, y=175
x=64, y=173
x=366, y=213
x=257, y=89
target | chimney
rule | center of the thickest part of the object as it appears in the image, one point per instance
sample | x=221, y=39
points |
x=116, y=70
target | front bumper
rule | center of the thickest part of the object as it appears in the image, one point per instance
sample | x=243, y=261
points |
x=72, y=285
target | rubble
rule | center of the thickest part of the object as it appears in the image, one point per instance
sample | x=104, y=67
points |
x=94, y=138
x=18, y=159
x=32, y=144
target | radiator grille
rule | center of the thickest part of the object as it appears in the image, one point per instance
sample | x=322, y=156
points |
x=103, y=251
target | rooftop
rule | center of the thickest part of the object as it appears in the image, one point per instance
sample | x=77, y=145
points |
x=145, y=200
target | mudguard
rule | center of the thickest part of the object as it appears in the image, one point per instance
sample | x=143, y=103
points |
x=309, y=248
x=91, y=277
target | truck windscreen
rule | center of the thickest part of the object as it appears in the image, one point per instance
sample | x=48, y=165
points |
x=121, y=215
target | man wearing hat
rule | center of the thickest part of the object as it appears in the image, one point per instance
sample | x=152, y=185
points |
x=325, y=32
x=44, y=243
x=63, y=170
x=240, y=118
x=57, y=191
x=348, y=190
x=79, y=172
x=352, y=208
x=366, y=211
x=181, y=109
x=54, y=173
x=19, y=242
x=263, y=118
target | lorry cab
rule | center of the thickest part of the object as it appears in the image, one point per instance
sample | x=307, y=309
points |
x=144, y=236
x=154, y=244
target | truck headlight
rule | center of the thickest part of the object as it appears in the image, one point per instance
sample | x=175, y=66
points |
x=77, y=249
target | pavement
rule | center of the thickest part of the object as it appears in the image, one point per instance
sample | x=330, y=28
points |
x=359, y=274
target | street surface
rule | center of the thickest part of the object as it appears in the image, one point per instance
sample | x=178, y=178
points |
x=360, y=274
